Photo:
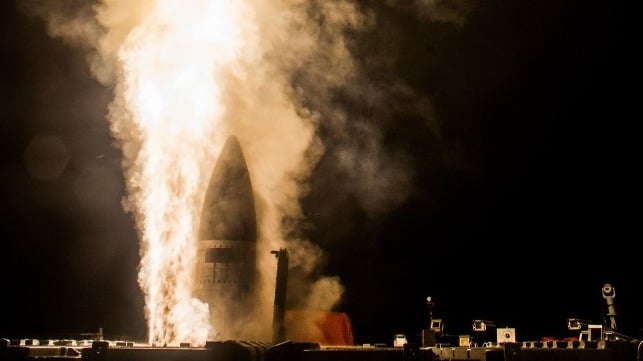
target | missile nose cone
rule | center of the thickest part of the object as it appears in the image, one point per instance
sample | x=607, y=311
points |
x=228, y=210
x=226, y=268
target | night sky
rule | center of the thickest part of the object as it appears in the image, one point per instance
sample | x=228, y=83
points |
x=518, y=203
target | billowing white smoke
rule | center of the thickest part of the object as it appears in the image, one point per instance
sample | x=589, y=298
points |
x=186, y=74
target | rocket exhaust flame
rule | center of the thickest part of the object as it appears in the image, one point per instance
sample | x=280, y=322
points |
x=170, y=92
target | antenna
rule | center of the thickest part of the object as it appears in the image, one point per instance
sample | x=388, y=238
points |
x=609, y=292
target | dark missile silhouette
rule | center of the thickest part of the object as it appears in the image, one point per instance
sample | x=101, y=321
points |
x=226, y=269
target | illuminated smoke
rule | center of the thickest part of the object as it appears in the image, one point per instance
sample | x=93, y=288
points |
x=187, y=74
x=166, y=115
x=443, y=11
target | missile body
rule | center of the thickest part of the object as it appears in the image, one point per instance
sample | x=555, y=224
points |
x=226, y=269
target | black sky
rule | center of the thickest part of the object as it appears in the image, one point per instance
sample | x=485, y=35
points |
x=523, y=201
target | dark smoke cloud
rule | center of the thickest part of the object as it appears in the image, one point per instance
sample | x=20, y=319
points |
x=71, y=21
x=441, y=11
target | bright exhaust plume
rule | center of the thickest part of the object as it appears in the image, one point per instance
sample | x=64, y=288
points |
x=170, y=97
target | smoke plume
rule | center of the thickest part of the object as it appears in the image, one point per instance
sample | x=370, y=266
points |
x=284, y=77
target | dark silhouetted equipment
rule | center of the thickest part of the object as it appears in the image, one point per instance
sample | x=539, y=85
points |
x=278, y=326
x=227, y=256
x=608, y=294
x=483, y=332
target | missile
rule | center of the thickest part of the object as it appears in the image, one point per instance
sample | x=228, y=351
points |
x=227, y=254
